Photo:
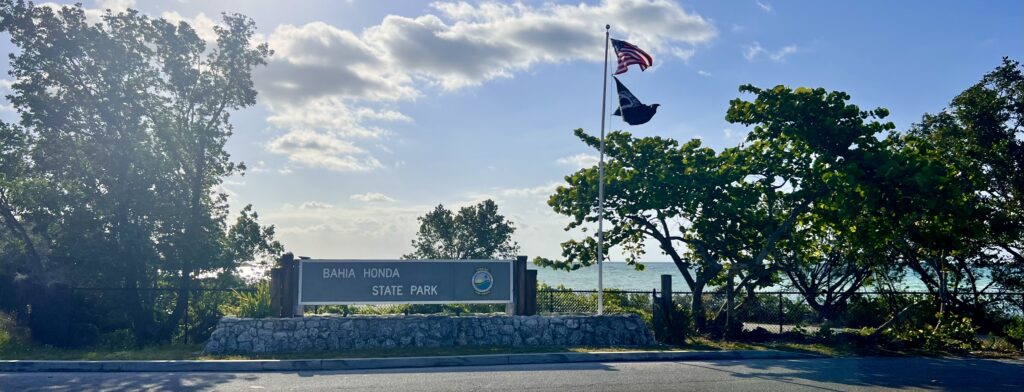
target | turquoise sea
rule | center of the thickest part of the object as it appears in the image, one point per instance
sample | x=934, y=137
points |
x=619, y=275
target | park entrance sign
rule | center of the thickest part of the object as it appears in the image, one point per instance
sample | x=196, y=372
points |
x=360, y=282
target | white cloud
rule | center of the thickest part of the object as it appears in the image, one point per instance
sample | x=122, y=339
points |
x=764, y=6
x=362, y=231
x=704, y=73
x=335, y=82
x=782, y=53
x=579, y=161
x=315, y=205
x=371, y=197
x=5, y=89
x=728, y=133
x=754, y=50
x=258, y=167
x=202, y=24
x=324, y=150
x=542, y=190
x=317, y=60
x=116, y=5
x=334, y=115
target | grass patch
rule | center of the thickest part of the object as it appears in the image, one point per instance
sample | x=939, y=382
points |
x=706, y=344
x=194, y=352
x=168, y=352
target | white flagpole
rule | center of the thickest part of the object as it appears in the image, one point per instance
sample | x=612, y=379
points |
x=600, y=183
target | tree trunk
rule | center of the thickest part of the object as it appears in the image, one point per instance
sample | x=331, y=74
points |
x=34, y=265
x=700, y=321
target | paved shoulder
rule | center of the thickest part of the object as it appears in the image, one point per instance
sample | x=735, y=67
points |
x=847, y=374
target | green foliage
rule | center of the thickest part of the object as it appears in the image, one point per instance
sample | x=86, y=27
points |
x=121, y=339
x=475, y=232
x=951, y=333
x=954, y=203
x=868, y=311
x=12, y=336
x=709, y=211
x=111, y=179
x=250, y=304
x=673, y=326
x=1015, y=329
x=562, y=300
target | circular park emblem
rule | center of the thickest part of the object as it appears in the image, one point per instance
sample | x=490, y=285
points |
x=483, y=281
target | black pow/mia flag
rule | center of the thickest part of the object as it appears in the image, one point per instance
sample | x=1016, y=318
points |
x=631, y=109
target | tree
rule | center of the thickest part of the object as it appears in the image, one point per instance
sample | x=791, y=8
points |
x=955, y=203
x=708, y=211
x=17, y=183
x=126, y=120
x=475, y=232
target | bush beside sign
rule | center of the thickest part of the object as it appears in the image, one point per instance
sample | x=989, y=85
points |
x=356, y=282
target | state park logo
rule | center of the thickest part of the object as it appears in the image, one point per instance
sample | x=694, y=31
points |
x=483, y=281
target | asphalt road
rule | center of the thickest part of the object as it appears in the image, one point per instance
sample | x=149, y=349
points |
x=841, y=374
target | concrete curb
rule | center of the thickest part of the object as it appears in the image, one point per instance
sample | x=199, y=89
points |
x=261, y=365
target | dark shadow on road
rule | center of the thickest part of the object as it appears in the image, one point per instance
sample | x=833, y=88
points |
x=883, y=372
x=470, y=369
x=113, y=381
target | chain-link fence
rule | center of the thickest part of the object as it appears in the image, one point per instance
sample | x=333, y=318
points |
x=775, y=311
x=557, y=301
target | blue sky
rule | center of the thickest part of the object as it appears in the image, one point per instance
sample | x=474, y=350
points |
x=372, y=112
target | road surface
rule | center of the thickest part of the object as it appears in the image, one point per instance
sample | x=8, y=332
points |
x=839, y=374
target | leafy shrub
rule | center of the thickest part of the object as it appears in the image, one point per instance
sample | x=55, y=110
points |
x=122, y=339
x=1001, y=344
x=865, y=311
x=674, y=326
x=562, y=300
x=952, y=334
x=204, y=312
x=1015, y=329
x=255, y=304
x=12, y=336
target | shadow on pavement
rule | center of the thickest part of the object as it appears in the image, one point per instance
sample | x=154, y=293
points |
x=469, y=369
x=883, y=372
x=113, y=381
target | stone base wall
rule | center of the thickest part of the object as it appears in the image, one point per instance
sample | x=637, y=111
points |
x=323, y=333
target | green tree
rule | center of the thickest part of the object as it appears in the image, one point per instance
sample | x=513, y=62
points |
x=955, y=201
x=708, y=211
x=475, y=232
x=126, y=119
x=18, y=183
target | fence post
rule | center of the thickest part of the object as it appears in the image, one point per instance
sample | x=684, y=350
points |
x=294, y=309
x=519, y=286
x=278, y=287
x=551, y=301
x=666, y=294
x=531, y=293
x=780, y=313
x=654, y=304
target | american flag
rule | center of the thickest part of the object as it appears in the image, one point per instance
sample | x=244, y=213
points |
x=629, y=54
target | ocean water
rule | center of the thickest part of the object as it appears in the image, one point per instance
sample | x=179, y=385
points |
x=621, y=276
x=617, y=275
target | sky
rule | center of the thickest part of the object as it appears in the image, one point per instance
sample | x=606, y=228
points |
x=370, y=113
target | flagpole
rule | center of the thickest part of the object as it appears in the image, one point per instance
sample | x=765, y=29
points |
x=600, y=183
